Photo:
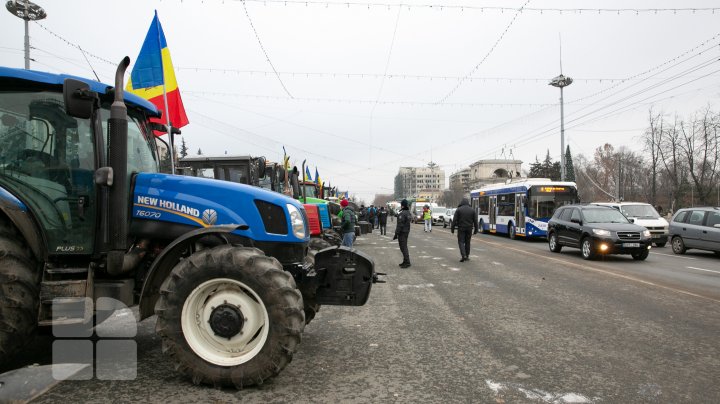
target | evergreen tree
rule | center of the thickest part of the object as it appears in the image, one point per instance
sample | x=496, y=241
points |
x=183, y=149
x=569, y=167
x=199, y=152
x=535, y=169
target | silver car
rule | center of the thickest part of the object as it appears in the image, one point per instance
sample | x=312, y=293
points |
x=696, y=228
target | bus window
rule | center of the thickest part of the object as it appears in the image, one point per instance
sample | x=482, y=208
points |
x=506, y=204
x=483, y=205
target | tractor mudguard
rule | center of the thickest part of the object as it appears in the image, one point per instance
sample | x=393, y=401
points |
x=344, y=276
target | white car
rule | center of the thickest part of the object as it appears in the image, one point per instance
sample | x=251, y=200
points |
x=439, y=214
x=645, y=215
x=449, y=214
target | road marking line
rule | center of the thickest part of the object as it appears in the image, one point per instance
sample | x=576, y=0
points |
x=631, y=278
x=707, y=270
x=674, y=256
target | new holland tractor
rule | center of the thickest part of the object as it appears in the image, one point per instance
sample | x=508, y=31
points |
x=86, y=214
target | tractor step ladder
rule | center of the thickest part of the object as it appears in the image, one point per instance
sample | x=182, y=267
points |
x=66, y=296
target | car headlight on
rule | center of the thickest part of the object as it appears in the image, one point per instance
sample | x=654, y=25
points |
x=601, y=232
x=297, y=222
x=646, y=233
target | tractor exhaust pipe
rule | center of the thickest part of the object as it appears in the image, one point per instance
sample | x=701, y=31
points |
x=117, y=160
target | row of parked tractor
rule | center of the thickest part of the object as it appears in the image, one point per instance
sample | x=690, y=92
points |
x=320, y=203
x=234, y=266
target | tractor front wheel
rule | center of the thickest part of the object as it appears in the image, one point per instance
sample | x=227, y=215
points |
x=230, y=316
x=19, y=294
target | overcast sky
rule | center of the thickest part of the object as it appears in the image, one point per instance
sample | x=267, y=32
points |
x=363, y=88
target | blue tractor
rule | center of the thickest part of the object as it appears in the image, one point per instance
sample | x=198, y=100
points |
x=86, y=215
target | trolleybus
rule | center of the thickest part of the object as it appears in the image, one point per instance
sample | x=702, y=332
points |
x=522, y=207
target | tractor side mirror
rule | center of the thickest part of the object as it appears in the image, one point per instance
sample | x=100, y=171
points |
x=78, y=98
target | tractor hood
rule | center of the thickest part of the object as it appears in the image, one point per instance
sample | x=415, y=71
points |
x=173, y=201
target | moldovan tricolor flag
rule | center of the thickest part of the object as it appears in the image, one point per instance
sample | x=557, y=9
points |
x=153, y=77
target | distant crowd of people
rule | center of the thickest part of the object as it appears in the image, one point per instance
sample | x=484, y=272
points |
x=465, y=220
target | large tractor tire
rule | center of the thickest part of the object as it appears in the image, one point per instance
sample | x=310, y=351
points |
x=19, y=292
x=230, y=316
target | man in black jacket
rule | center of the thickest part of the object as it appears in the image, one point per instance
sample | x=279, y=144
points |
x=382, y=220
x=466, y=221
x=402, y=230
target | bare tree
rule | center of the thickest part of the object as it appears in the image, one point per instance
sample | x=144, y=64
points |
x=452, y=197
x=672, y=161
x=700, y=148
x=652, y=138
x=382, y=199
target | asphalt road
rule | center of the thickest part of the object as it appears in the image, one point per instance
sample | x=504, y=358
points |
x=516, y=323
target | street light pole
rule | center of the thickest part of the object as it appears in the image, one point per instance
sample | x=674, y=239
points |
x=27, y=11
x=562, y=82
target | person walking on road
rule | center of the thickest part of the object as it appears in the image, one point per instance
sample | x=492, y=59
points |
x=347, y=225
x=427, y=217
x=382, y=220
x=402, y=231
x=466, y=221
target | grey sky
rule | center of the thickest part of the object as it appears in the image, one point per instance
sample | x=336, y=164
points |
x=349, y=121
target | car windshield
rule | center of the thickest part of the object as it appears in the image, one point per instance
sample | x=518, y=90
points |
x=643, y=211
x=604, y=216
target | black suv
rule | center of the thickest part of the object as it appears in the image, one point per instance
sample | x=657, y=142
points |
x=597, y=230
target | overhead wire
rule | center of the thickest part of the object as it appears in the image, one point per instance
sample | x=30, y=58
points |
x=462, y=7
x=492, y=48
x=366, y=101
x=394, y=76
x=267, y=57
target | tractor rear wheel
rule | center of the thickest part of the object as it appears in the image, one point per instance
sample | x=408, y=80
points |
x=19, y=295
x=230, y=316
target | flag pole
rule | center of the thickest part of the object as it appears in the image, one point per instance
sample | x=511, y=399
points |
x=171, y=137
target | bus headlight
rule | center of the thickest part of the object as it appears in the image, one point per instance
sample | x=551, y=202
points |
x=297, y=222
x=601, y=232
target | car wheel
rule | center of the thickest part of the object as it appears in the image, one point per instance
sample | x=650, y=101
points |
x=511, y=231
x=660, y=245
x=641, y=256
x=586, y=248
x=553, y=243
x=678, y=245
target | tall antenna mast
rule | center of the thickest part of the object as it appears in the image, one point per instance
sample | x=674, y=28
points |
x=560, y=40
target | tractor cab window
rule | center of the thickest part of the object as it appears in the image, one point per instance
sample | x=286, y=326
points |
x=141, y=145
x=47, y=160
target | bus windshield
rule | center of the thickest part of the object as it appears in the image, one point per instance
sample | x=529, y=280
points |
x=545, y=199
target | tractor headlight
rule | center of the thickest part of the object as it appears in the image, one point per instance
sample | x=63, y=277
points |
x=297, y=222
x=601, y=232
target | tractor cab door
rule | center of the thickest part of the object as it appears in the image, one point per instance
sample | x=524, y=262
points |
x=47, y=159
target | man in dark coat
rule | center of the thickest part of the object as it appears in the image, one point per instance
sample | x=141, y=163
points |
x=466, y=221
x=402, y=230
x=382, y=220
